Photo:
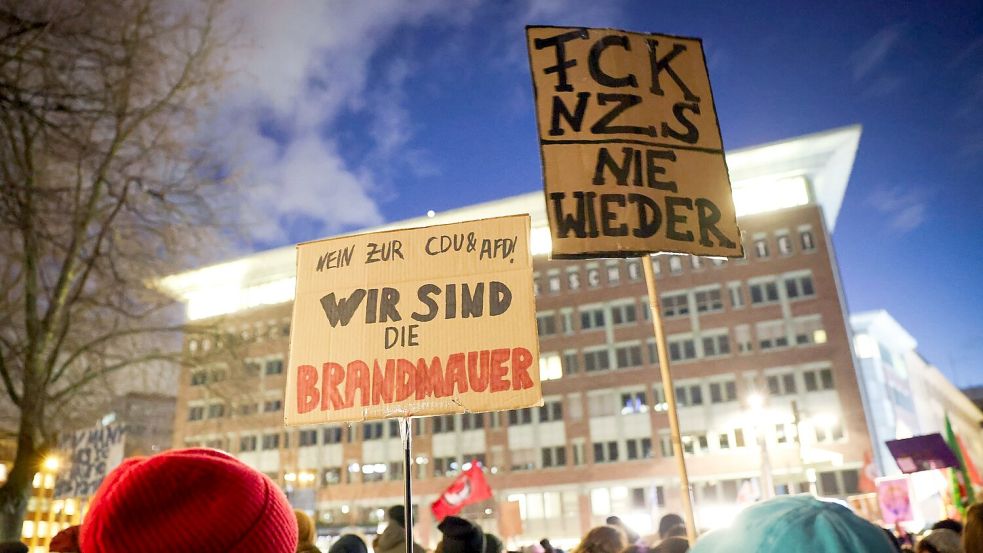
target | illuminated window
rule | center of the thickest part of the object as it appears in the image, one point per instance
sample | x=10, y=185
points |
x=633, y=402
x=554, y=283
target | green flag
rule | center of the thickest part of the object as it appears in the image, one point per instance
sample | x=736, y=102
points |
x=962, y=488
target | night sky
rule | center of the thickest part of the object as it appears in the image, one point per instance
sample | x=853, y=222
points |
x=353, y=114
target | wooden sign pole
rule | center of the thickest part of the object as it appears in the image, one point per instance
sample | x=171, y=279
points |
x=406, y=431
x=669, y=390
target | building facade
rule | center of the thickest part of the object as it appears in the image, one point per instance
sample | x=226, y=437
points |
x=771, y=326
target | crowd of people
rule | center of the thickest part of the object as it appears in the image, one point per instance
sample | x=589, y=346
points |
x=206, y=501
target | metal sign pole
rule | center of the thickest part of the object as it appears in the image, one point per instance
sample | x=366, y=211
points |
x=406, y=431
x=669, y=390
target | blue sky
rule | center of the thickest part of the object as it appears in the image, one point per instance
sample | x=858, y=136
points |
x=348, y=114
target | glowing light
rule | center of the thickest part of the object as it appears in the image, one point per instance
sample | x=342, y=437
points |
x=756, y=401
x=540, y=241
x=865, y=346
x=819, y=336
x=550, y=367
x=760, y=195
x=51, y=463
x=431, y=213
x=345, y=509
x=290, y=477
x=354, y=467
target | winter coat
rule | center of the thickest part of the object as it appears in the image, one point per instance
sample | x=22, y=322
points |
x=393, y=540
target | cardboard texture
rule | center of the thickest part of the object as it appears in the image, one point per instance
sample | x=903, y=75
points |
x=422, y=321
x=632, y=156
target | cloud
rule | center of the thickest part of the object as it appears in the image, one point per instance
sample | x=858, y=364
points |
x=299, y=67
x=866, y=58
x=905, y=210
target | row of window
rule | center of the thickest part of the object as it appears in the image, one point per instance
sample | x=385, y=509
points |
x=252, y=367
x=257, y=332
x=615, y=271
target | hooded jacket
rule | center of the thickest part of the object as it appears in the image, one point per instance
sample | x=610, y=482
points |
x=393, y=540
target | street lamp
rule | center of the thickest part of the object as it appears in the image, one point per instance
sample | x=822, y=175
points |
x=756, y=403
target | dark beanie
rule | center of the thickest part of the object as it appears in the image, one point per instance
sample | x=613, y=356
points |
x=397, y=513
x=461, y=536
x=349, y=543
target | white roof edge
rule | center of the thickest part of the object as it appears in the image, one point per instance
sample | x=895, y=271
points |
x=882, y=323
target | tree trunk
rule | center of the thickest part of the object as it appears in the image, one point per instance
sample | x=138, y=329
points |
x=17, y=489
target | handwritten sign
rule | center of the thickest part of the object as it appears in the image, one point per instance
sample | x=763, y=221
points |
x=421, y=321
x=91, y=455
x=633, y=160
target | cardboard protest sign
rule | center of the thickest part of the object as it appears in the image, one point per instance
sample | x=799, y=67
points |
x=633, y=160
x=420, y=321
x=91, y=455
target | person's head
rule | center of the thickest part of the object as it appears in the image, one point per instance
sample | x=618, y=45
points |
x=461, y=536
x=305, y=528
x=602, y=539
x=942, y=540
x=948, y=524
x=13, y=547
x=493, y=544
x=973, y=531
x=672, y=544
x=795, y=524
x=677, y=531
x=668, y=522
x=349, y=543
x=198, y=500
x=397, y=514
x=630, y=534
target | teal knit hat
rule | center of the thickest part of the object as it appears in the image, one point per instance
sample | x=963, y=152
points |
x=799, y=524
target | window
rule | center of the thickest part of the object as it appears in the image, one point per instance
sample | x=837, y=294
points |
x=809, y=330
x=739, y=437
x=443, y=423
x=675, y=305
x=771, y=334
x=696, y=395
x=708, y=301
x=634, y=270
x=623, y=314
x=682, y=349
x=665, y=446
x=523, y=459
x=520, y=416
x=218, y=375
x=716, y=345
x=199, y=378
x=372, y=430
x=721, y=392
x=736, y=295
x=536, y=289
x=471, y=421
x=593, y=277
x=829, y=432
x=271, y=441
x=332, y=435
x=675, y=264
x=272, y=406
x=633, y=402
x=551, y=411
x=784, y=244
x=628, y=356
x=546, y=324
x=252, y=367
x=570, y=363
x=602, y=404
x=274, y=366
x=639, y=448
x=248, y=409
x=695, y=262
x=656, y=266
x=592, y=318
x=566, y=319
x=761, y=248
x=196, y=413
x=308, y=438
x=614, y=274
x=393, y=428
x=554, y=283
x=800, y=287
x=554, y=456
x=577, y=449
x=331, y=476
x=216, y=411
x=606, y=452
x=723, y=441
x=819, y=379
x=445, y=466
x=247, y=443
x=573, y=280
x=805, y=238
x=742, y=335
x=781, y=384
x=763, y=292
x=596, y=360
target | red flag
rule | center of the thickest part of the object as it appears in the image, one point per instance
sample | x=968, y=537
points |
x=469, y=487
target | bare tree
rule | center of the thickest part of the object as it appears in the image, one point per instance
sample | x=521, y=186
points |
x=102, y=189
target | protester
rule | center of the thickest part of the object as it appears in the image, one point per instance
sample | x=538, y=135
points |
x=393, y=538
x=493, y=544
x=602, y=539
x=13, y=547
x=632, y=535
x=306, y=533
x=949, y=524
x=795, y=524
x=199, y=500
x=672, y=544
x=942, y=540
x=460, y=536
x=669, y=522
x=973, y=532
x=349, y=543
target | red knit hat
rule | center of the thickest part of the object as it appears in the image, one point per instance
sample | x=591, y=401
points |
x=199, y=500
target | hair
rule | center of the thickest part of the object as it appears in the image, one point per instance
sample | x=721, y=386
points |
x=677, y=531
x=668, y=522
x=305, y=528
x=948, y=524
x=973, y=531
x=673, y=544
x=925, y=547
x=602, y=539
